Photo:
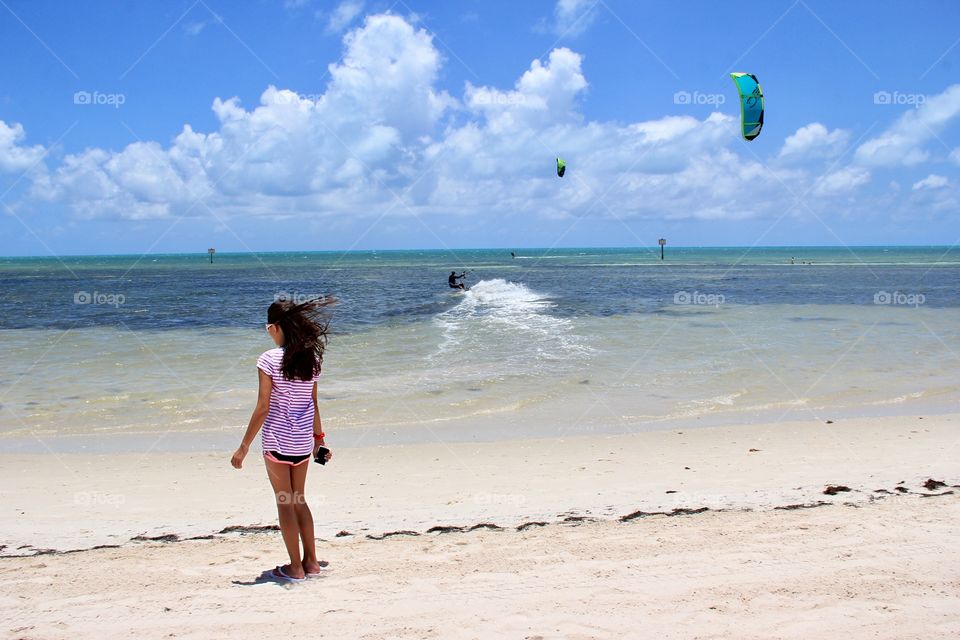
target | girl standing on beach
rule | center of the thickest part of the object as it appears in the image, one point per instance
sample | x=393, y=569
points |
x=292, y=432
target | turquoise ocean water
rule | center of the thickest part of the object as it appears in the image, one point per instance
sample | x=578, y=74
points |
x=158, y=352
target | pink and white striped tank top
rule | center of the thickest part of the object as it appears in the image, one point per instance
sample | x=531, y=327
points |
x=288, y=428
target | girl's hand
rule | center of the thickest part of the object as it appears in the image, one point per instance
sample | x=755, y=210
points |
x=238, y=456
x=316, y=448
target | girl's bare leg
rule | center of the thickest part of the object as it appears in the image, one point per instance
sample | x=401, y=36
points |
x=281, y=478
x=304, y=518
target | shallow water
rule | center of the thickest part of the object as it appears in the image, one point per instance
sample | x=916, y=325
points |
x=567, y=342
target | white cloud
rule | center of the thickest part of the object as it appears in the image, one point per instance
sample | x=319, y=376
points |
x=344, y=14
x=544, y=93
x=142, y=181
x=934, y=194
x=815, y=141
x=902, y=144
x=194, y=28
x=14, y=157
x=383, y=138
x=387, y=75
x=572, y=17
x=841, y=182
x=932, y=181
x=289, y=153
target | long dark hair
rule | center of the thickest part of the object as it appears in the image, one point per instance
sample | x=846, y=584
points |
x=304, y=329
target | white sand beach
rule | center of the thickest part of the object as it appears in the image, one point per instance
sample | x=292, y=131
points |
x=622, y=320
x=720, y=548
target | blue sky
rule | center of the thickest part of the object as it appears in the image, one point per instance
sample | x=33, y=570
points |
x=309, y=125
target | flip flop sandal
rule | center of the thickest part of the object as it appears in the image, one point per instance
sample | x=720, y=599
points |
x=280, y=574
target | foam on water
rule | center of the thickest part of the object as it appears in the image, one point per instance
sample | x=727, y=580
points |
x=509, y=323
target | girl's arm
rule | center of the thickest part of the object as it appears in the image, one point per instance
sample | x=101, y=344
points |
x=256, y=420
x=317, y=424
x=318, y=437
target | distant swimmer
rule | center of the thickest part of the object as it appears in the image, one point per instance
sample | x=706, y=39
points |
x=452, y=280
x=513, y=255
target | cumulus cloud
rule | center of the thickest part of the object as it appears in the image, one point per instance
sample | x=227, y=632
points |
x=544, y=93
x=571, y=17
x=344, y=14
x=15, y=157
x=288, y=153
x=815, y=141
x=841, y=182
x=934, y=194
x=903, y=143
x=932, y=181
x=387, y=75
x=142, y=181
x=383, y=138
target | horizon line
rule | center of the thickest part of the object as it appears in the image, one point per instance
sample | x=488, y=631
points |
x=654, y=249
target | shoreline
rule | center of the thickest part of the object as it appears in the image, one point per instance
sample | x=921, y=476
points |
x=472, y=429
x=86, y=500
